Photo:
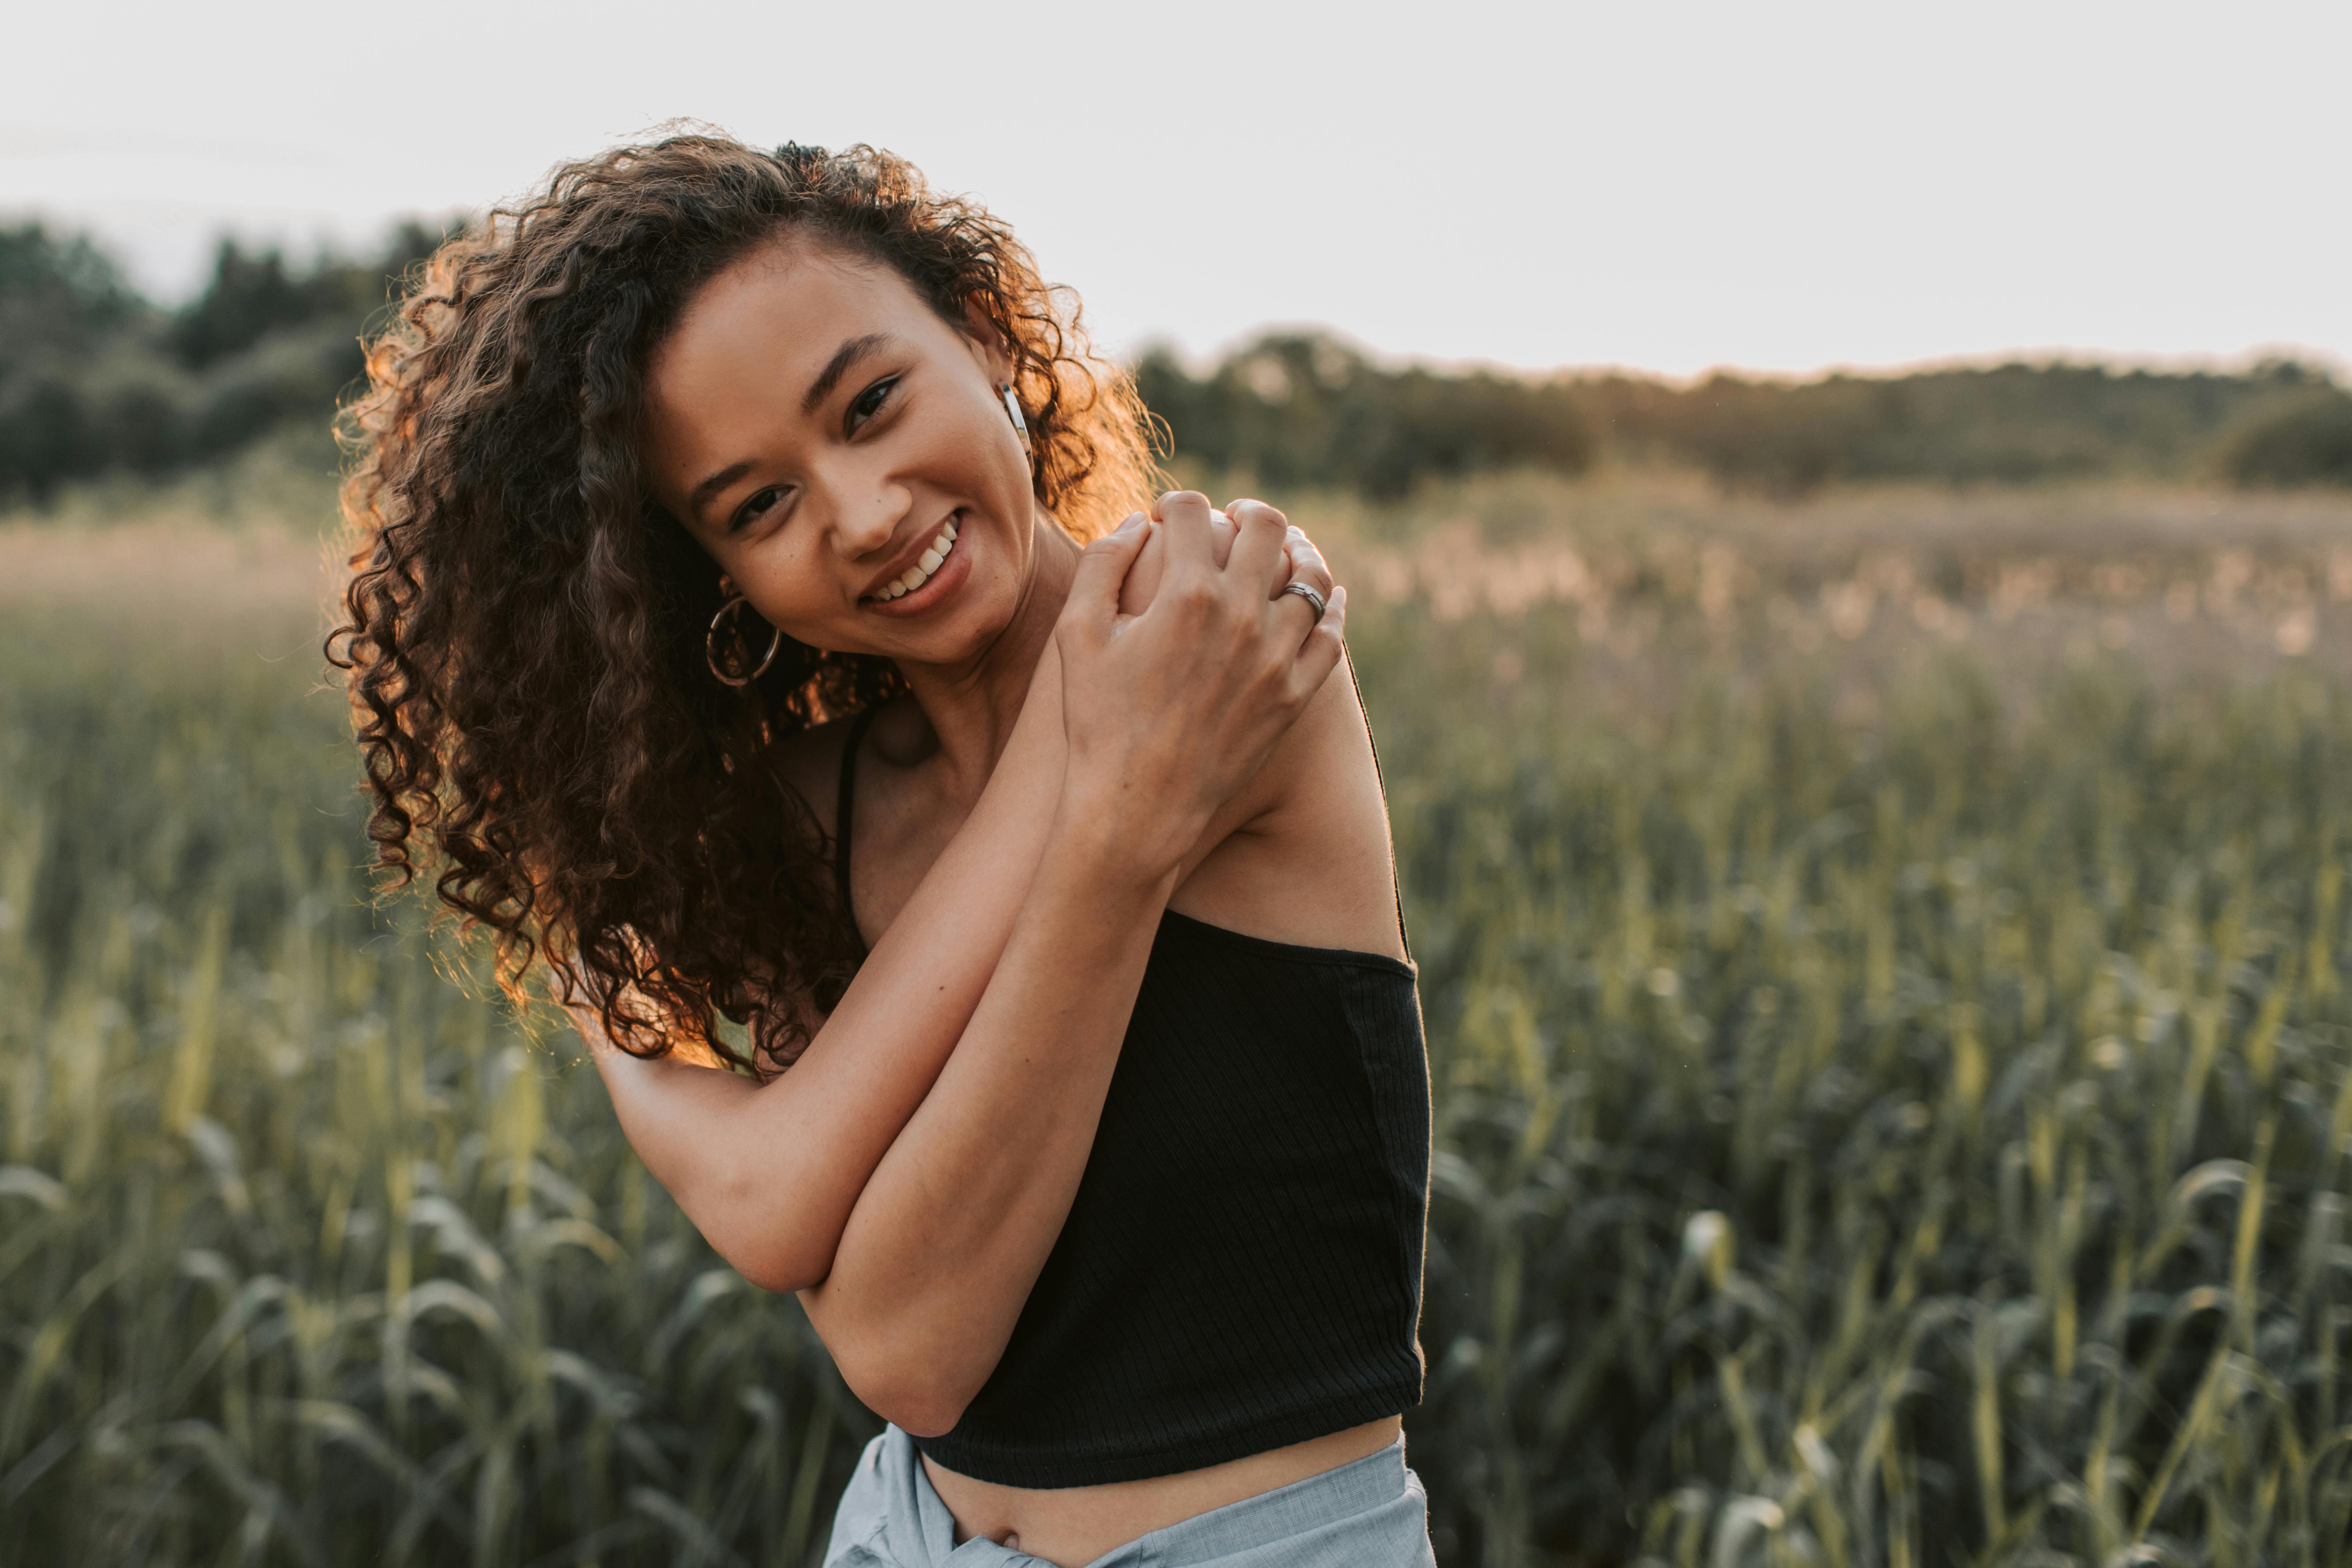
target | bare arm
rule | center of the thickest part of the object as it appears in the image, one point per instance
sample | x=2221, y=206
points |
x=773, y=1174
x=940, y=1254
x=769, y=1173
x=948, y=1235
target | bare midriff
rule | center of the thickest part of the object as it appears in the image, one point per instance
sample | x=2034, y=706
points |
x=1069, y=1526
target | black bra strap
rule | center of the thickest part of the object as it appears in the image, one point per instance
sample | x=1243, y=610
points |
x=843, y=801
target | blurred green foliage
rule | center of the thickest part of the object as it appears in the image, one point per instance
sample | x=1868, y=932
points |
x=1306, y=411
x=96, y=380
x=2298, y=440
x=1291, y=410
x=2008, y=424
x=1904, y=1141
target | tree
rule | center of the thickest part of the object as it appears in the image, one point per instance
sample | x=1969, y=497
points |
x=2301, y=439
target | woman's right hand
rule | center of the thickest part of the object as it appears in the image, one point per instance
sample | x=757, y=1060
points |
x=1169, y=713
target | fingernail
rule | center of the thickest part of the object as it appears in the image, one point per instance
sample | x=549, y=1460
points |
x=1134, y=520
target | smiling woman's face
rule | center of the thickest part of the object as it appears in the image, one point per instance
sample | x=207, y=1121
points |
x=821, y=430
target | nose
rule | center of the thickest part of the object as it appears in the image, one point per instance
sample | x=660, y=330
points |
x=867, y=511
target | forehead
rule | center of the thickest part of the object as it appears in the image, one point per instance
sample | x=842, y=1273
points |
x=751, y=340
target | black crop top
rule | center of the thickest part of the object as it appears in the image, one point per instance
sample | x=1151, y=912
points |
x=1242, y=1265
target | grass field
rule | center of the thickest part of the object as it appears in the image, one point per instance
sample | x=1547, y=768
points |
x=1883, y=965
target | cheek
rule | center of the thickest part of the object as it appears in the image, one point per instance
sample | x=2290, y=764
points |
x=979, y=439
x=787, y=589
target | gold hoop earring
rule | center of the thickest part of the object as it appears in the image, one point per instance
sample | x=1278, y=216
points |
x=1013, y=406
x=710, y=645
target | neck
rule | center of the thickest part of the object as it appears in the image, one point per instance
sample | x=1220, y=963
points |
x=972, y=706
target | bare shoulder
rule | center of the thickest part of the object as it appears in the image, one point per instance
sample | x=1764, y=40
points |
x=1305, y=855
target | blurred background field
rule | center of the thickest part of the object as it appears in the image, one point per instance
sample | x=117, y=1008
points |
x=1881, y=953
x=1875, y=848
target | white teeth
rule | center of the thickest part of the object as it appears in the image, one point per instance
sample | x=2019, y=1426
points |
x=925, y=564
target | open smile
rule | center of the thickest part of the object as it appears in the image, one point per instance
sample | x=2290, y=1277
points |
x=927, y=579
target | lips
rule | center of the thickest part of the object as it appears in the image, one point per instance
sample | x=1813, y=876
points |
x=910, y=573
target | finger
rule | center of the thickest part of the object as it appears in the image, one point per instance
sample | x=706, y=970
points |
x=1229, y=528
x=1143, y=575
x=1184, y=516
x=1319, y=655
x=1312, y=617
x=1260, y=531
x=1238, y=502
x=1307, y=564
x=1093, y=605
x=1221, y=536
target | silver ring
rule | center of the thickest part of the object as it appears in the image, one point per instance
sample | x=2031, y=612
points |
x=1308, y=594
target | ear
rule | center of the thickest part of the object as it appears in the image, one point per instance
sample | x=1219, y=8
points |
x=988, y=344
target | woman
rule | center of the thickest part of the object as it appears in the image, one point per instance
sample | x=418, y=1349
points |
x=721, y=626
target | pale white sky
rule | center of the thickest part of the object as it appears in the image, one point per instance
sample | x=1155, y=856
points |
x=1666, y=185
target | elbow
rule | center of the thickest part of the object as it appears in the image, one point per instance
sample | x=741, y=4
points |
x=777, y=1274
x=902, y=1385
x=778, y=1268
x=915, y=1409
x=779, y=1250
x=763, y=1275
x=920, y=1416
x=911, y=1357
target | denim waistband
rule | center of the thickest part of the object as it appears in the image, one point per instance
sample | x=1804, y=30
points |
x=1367, y=1513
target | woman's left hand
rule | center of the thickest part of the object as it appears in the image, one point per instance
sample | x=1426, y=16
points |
x=1306, y=563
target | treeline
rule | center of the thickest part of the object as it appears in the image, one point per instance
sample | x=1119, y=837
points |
x=95, y=380
x=1305, y=410
x=2281, y=422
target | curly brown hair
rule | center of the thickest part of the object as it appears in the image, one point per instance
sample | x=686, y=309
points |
x=523, y=633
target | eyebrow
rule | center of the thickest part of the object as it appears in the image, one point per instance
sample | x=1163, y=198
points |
x=847, y=354
x=844, y=357
x=700, y=495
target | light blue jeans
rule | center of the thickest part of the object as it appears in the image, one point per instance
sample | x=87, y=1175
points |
x=1368, y=1513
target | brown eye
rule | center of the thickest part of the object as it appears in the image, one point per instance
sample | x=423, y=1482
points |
x=757, y=507
x=869, y=401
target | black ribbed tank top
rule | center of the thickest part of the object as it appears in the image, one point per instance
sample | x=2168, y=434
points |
x=1242, y=1265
